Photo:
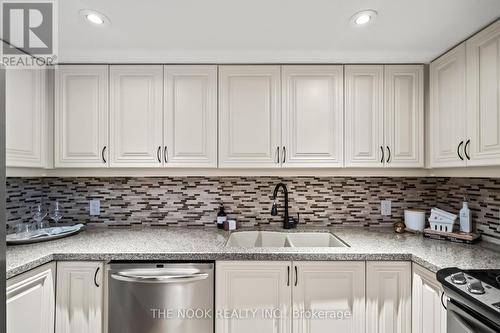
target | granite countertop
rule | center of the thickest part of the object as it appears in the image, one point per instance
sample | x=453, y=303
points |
x=167, y=243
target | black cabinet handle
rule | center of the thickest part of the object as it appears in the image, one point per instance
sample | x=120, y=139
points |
x=165, y=155
x=296, y=276
x=284, y=154
x=102, y=155
x=458, y=150
x=288, y=278
x=382, y=158
x=158, y=152
x=389, y=154
x=278, y=155
x=465, y=149
x=95, y=277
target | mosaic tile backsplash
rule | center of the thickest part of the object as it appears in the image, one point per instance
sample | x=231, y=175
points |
x=194, y=201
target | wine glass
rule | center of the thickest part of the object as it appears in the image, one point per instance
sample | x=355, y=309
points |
x=56, y=212
x=39, y=214
x=24, y=229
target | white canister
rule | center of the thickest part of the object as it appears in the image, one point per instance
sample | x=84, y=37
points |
x=415, y=219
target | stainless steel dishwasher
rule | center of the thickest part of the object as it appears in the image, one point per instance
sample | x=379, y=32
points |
x=161, y=298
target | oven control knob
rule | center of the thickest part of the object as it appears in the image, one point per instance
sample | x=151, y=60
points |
x=475, y=287
x=458, y=278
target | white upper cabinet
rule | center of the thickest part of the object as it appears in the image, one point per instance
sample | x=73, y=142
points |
x=388, y=297
x=190, y=118
x=249, y=116
x=364, y=116
x=428, y=314
x=28, y=119
x=404, y=116
x=447, y=109
x=483, y=98
x=81, y=116
x=329, y=287
x=261, y=286
x=313, y=122
x=31, y=301
x=136, y=116
x=79, y=303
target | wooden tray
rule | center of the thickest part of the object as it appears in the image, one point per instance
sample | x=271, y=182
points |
x=456, y=236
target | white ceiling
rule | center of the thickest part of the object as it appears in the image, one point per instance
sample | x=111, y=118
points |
x=281, y=31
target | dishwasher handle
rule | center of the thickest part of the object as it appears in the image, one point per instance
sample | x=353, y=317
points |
x=137, y=278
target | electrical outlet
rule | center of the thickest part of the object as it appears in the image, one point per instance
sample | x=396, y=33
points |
x=95, y=207
x=385, y=207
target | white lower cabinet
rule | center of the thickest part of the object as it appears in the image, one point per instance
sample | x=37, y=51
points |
x=388, y=297
x=428, y=314
x=30, y=301
x=328, y=297
x=306, y=295
x=246, y=286
x=79, y=297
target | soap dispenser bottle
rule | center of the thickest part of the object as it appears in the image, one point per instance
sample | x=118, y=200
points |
x=221, y=217
x=465, y=218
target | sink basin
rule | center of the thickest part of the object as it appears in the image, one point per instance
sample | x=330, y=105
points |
x=283, y=239
x=314, y=239
x=258, y=239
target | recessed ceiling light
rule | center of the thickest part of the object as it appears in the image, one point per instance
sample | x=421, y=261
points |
x=94, y=17
x=363, y=17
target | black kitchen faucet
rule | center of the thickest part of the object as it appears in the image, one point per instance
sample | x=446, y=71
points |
x=288, y=222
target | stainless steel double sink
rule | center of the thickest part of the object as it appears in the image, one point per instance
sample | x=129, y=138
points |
x=249, y=239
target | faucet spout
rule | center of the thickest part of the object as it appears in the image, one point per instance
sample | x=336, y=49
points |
x=287, y=222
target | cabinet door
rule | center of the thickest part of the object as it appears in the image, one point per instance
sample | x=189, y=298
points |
x=136, y=116
x=447, y=109
x=313, y=121
x=263, y=287
x=30, y=301
x=81, y=116
x=404, y=116
x=79, y=297
x=27, y=118
x=428, y=315
x=249, y=116
x=483, y=97
x=364, y=115
x=190, y=129
x=388, y=297
x=334, y=288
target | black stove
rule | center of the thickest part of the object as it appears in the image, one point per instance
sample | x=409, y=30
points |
x=474, y=298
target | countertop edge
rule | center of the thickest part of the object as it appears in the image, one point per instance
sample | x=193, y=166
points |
x=212, y=256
